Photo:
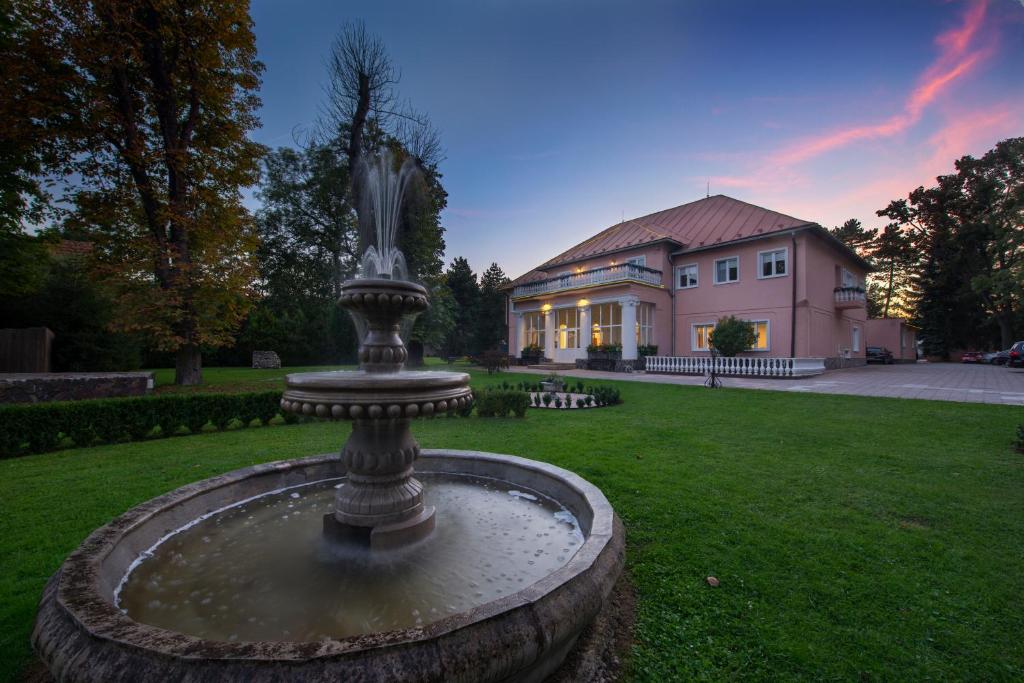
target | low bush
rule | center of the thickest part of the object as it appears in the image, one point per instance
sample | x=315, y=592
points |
x=495, y=402
x=39, y=427
x=606, y=396
x=494, y=361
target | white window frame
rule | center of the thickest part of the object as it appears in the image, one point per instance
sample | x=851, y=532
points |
x=640, y=260
x=575, y=331
x=696, y=275
x=855, y=339
x=645, y=324
x=606, y=328
x=707, y=337
x=727, y=282
x=767, y=336
x=539, y=332
x=772, y=252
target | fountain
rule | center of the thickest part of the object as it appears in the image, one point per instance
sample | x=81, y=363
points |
x=482, y=567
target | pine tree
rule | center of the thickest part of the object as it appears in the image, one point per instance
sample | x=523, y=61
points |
x=462, y=283
x=492, y=314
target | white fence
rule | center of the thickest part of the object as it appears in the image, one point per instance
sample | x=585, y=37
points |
x=746, y=367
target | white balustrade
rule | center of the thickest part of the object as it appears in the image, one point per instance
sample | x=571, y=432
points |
x=737, y=366
x=849, y=297
x=589, y=278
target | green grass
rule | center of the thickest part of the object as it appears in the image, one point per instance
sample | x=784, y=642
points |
x=854, y=538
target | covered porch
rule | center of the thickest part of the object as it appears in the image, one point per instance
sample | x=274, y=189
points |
x=564, y=329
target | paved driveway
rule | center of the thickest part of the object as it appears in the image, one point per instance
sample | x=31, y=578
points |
x=935, y=381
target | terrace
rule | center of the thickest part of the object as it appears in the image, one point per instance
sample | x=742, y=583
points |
x=622, y=272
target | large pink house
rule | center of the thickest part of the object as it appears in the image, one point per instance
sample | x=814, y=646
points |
x=664, y=279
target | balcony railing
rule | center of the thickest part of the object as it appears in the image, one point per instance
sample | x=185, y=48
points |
x=588, y=278
x=850, y=297
x=738, y=367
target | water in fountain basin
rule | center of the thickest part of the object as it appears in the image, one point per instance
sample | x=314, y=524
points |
x=262, y=571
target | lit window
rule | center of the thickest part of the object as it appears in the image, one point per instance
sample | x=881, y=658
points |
x=568, y=322
x=607, y=324
x=534, y=329
x=701, y=336
x=760, y=335
x=727, y=270
x=645, y=324
x=686, y=276
x=772, y=263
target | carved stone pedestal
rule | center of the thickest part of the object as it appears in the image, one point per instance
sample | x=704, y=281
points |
x=380, y=503
x=380, y=499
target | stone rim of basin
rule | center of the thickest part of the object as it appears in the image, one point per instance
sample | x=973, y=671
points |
x=83, y=592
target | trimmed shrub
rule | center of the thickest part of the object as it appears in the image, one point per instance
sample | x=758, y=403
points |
x=606, y=396
x=732, y=335
x=40, y=427
x=495, y=402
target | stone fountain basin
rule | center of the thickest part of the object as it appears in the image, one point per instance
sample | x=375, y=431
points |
x=81, y=636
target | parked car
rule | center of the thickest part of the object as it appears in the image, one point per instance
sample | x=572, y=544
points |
x=879, y=354
x=971, y=357
x=1000, y=357
x=1016, y=357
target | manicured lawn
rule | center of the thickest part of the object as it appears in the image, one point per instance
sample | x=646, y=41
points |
x=854, y=538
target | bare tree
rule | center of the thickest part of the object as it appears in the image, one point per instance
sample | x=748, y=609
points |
x=361, y=94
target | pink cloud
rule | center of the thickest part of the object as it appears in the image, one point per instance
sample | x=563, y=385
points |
x=955, y=60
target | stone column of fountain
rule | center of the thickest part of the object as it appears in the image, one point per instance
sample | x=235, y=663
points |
x=380, y=500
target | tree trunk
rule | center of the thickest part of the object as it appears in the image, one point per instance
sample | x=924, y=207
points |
x=1005, y=321
x=188, y=366
x=888, y=291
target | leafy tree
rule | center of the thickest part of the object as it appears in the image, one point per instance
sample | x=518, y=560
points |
x=78, y=308
x=732, y=335
x=968, y=233
x=307, y=226
x=492, y=320
x=462, y=283
x=23, y=263
x=162, y=96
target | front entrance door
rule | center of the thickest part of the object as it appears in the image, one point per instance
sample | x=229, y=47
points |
x=567, y=335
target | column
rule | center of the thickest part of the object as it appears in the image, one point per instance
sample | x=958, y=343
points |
x=584, y=336
x=629, y=327
x=549, y=333
x=520, y=333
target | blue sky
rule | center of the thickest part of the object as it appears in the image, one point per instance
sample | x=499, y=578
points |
x=558, y=118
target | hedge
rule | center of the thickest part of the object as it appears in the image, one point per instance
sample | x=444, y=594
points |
x=495, y=402
x=40, y=427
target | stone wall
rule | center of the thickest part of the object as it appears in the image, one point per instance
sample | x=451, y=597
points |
x=265, y=360
x=838, y=363
x=72, y=386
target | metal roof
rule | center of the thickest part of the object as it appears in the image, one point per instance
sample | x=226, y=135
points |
x=703, y=223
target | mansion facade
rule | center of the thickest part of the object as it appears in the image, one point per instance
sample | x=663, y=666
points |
x=663, y=280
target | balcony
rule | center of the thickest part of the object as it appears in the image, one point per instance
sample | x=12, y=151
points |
x=623, y=272
x=850, y=297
